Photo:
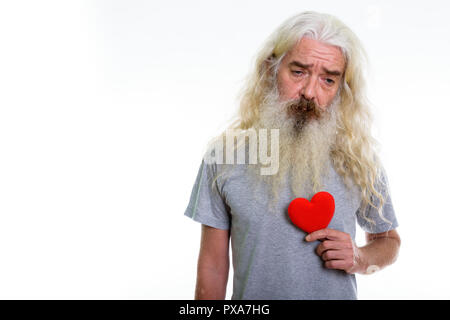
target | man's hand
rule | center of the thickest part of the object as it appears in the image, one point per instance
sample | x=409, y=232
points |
x=337, y=250
x=340, y=252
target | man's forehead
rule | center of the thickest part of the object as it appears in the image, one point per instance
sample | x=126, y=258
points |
x=309, y=51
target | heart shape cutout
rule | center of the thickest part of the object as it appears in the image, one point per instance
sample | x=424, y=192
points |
x=312, y=215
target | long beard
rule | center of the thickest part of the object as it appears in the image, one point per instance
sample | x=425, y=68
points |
x=307, y=135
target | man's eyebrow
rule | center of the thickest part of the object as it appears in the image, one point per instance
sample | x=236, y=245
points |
x=332, y=72
x=299, y=64
x=307, y=66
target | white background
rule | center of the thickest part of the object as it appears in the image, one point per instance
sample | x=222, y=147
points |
x=106, y=108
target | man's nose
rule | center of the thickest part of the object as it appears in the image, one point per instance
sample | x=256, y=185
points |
x=309, y=89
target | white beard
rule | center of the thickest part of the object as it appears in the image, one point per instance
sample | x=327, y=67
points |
x=304, y=150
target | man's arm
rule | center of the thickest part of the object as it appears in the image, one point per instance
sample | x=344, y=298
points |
x=380, y=251
x=213, y=264
x=340, y=252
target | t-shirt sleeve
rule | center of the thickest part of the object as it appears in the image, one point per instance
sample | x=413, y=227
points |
x=375, y=223
x=206, y=204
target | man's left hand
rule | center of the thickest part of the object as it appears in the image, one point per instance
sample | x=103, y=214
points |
x=337, y=249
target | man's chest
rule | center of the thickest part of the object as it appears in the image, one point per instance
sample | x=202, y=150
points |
x=252, y=203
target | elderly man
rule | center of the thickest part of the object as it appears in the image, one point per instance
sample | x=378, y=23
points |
x=308, y=83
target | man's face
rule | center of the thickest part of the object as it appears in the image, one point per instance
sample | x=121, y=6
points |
x=311, y=70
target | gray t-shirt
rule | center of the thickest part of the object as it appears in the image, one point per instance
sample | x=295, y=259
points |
x=271, y=259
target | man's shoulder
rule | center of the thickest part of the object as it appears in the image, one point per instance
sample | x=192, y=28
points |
x=221, y=149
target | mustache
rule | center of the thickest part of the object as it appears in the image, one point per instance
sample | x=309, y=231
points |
x=302, y=110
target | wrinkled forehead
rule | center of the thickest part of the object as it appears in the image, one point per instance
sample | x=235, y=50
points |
x=308, y=51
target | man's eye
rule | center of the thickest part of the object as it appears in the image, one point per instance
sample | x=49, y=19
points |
x=329, y=81
x=297, y=72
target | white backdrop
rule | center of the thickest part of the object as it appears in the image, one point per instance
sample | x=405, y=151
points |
x=106, y=108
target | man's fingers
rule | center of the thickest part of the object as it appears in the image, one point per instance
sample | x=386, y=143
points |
x=336, y=248
x=332, y=245
x=339, y=264
x=330, y=234
x=336, y=255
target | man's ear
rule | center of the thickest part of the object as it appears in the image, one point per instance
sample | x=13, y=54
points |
x=269, y=62
x=270, y=59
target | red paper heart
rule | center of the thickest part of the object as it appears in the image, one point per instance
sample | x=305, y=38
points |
x=312, y=215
